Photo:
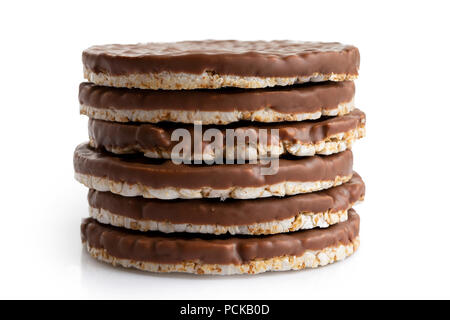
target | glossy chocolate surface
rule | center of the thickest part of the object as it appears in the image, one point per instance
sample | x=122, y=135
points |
x=281, y=58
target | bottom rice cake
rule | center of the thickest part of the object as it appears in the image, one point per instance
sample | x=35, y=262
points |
x=204, y=254
x=254, y=217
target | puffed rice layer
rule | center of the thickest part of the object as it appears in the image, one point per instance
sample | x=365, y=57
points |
x=279, y=189
x=302, y=221
x=207, y=80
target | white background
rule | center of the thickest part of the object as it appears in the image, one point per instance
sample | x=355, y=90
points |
x=403, y=88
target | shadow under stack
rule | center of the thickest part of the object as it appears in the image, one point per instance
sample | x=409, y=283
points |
x=225, y=212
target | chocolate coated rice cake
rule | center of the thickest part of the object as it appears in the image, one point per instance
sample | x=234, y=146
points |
x=202, y=254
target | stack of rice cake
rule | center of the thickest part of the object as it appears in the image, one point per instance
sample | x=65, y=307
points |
x=150, y=212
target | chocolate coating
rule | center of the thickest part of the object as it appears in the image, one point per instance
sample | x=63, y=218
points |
x=146, y=136
x=230, y=212
x=306, y=98
x=158, y=173
x=226, y=57
x=177, y=248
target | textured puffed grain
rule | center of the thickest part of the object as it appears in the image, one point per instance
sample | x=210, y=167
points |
x=207, y=80
x=279, y=189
